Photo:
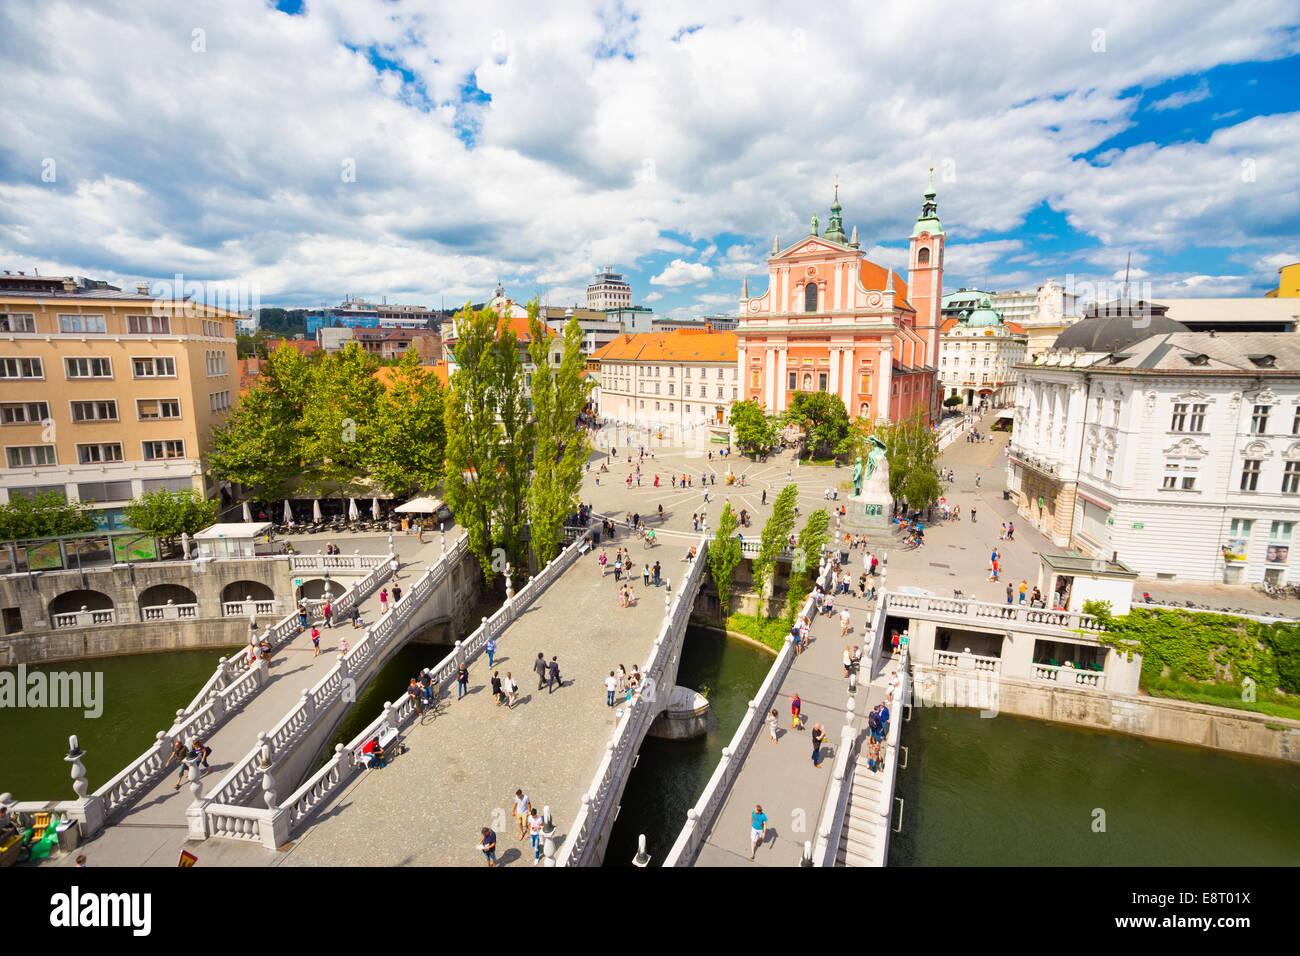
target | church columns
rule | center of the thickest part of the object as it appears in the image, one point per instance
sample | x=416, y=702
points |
x=835, y=370
x=780, y=379
x=769, y=378
x=884, y=401
x=846, y=380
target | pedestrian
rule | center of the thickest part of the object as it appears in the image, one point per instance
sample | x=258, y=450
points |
x=764, y=498
x=315, y=641
x=343, y=646
x=491, y=648
x=393, y=566
x=847, y=660
x=620, y=676
x=611, y=685
x=414, y=692
x=972, y=514
x=201, y=752
x=535, y=834
x=654, y=572
x=1010, y=593
x=1002, y=532
x=758, y=829
x=977, y=479
x=462, y=681
x=1024, y=589
x=326, y=612
x=522, y=806
x=818, y=738
x=1011, y=531
x=539, y=667
x=496, y=687
x=510, y=687
x=397, y=593
x=302, y=615
x=489, y=846
x=383, y=601
x=645, y=575
x=844, y=622
x=771, y=725
x=553, y=676
x=796, y=713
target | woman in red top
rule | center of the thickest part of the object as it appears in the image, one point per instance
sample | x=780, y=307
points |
x=796, y=707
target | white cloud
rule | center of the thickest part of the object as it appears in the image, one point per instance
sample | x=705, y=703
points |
x=1179, y=100
x=653, y=297
x=680, y=272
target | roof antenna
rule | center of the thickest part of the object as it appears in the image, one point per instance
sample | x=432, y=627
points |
x=1126, y=269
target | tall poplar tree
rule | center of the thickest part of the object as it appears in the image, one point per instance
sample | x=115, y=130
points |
x=514, y=450
x=559, y=395
x=724, y=557
x=807, y=557
x=775, y=539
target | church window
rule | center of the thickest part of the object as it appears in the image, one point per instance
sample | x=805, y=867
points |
x=923, y=257
x=810, y=297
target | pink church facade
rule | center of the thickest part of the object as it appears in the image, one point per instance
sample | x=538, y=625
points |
x=833, y=321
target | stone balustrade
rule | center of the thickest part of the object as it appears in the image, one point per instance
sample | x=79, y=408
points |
x=1069, y=676
x=955, y=609
x=83, y=618
x=334, y=562
x=956, y=660
x=168, y=612
x=246, y=608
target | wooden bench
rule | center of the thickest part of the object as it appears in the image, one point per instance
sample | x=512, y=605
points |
x=388, y=738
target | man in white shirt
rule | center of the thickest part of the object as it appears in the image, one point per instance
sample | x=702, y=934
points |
x=392, y=566
x=610, y=685
x=844, y=621
x=522, y=806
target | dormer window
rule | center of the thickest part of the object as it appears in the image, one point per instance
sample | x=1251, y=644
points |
x=1198, y=359
x=1263, y=361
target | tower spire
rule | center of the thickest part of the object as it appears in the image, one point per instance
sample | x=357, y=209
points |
x=889, y=278
x=835, y=228
x=928, y=221
x=744, y=287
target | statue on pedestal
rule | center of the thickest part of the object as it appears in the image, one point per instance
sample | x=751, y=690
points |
x=876, y=460
x=857, y=478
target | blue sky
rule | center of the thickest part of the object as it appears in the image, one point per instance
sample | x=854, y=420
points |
x=423, y=151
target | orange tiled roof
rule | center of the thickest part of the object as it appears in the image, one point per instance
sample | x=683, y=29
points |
x=679, y=345
x=877, y=277
x=385, y=373
x=304, y=346
x=516, y=324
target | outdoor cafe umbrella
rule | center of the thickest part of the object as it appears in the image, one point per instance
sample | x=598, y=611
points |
x=248, y=515
x=374, y=508
x=352, y=510
x=315, y=510
x=288, y=512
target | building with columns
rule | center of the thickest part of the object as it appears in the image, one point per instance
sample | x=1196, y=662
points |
x=978, y=352
x=833, y=321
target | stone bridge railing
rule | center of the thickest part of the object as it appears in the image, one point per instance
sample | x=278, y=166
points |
x=308, y=563
x=599, y=802
x=274, y=825
x=970, y=611
x=699, y=819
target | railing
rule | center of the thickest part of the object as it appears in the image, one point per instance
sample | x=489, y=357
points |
x=699, y=819
x=299, y=807
x=334, y=562
x=948, y=608
x=1069, y=676
x=598, y=802
x=168, y=611
x=83, y=618
x=953, y=660
x=240, y=608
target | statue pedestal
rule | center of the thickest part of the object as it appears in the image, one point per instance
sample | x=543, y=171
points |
x=866, y=513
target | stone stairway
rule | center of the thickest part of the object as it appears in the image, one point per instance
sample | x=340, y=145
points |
x=862, y=836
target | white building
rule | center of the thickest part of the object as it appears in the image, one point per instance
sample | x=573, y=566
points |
x=674, y=386
x=609, y=290
x=978, y=353
x=1177, y=452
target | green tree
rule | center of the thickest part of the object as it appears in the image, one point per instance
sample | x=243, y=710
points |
x=913, y=452
x=952, y=401
x=559, y=395
x=169, y=514
x=407, y=446
x=473, y=436
x=261, y=444
x=756, y=432
x=724, y=556
x=339, y=420
x=824, y=420
x=45, y=515
x=807, y=558
x=775, y=539
x=514, y=449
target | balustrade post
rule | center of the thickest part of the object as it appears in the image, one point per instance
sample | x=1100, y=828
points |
x=548, y=837
x=308, y=705
x=390, y=718
x=264, y=749
x=268, y=790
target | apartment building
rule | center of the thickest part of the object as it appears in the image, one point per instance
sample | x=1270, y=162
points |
x=106, y=394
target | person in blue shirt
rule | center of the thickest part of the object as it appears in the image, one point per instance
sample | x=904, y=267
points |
x=758, y=829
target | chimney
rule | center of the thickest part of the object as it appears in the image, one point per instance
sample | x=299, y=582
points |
x=69, y=284
x=142, y=288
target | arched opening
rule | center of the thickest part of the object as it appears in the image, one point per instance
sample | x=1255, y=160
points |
x=810, y=297
x=160, y=594
x=970, y=396
x=314, y=589
x=71, y=602
x=923, y=256
x=807, y=381
x=242, y=590
x=864, y=410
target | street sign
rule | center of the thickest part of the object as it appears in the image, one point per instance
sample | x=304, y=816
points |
x=1138, y=525
x=187, y=859
x=297, y=582
x=904, y=642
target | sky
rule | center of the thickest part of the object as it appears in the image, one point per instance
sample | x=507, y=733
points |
x=302, y=151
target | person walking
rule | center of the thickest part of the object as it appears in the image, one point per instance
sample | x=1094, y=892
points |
x=462, y=681
x=645, y=576
x=488, y=844
x=772, y=719
x=397, y=593
x=496, y=687
x=757, y=828
x=847, y=660
x=383, y=601
x=553, y=676
x=510, y=687
x=539, y=667
x=315, y=641
x=393, y=566
x=844, y=621
x=818, y=738
x=491, y=648
x=796, y=713
x=327, y=612
x=654, y=574
x=1010, y=593
x=302, y=616
x=522, y=806
x=611, y=685
x=1024, y=589
x=535, y=834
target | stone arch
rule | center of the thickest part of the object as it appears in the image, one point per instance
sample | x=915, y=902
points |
x=313, y=589
x=923, y=256
x=70, y=601
x=160, y=594
x=240, y=590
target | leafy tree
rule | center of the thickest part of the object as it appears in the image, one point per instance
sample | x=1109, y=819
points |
x=953, y=400
x=406, y=452
x=169, y=514
x=807, y=557
x=756, y=432
x=824, y=420
x=473, y=437
x=912, y=451
x=559, y=395
x=260, y=445
x=515, y=449
x=45, y=515
x=339, y=421
x=775, y=539
x=724, y=555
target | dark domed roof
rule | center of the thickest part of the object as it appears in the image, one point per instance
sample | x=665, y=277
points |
x=1115, y=334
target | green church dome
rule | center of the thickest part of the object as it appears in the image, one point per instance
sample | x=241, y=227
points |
x=984, y=317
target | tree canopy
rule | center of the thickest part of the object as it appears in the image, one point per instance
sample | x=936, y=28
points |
x=46, y=515
x=756, y=432
x=912, y=451
x=169, y=514
x=724, y=556
x=775, y=539
x=824, y=420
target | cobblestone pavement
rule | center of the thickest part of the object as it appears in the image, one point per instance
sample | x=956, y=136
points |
x=154, y=830
x=780, y=777
x=464, y=764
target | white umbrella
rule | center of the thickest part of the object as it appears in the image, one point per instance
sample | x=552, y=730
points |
x=315, y=510
x=288, y=512
x=374, y=508
x=352, y=510
x=248, y=515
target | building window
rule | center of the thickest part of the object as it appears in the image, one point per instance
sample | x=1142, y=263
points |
x=864, y=384
x=94, y=454
x=1240, y=527
x=821, y=382
x=28, y=456
x=149, y=324
x=94, y=411
x=735, y=394
x=794, y=385
x=1295, y=422
x=17, y=322
x=151, y=408
x=88, y=367
x=1259, y=420
x=1250, y=474
x=22, y=368
x=153, y=367
x=719, y=391
x=656, y=388
x=1179, y=422
x=686, y=389
x=1280, y=531
x=1291, y=478
x=923, y=256
x=1197, y=422
x=82, y=323
x=24, y=413
x=154, y=450
x=754, y=380
x=810, y=297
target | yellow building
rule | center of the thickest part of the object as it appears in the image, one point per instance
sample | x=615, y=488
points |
x=1288, y=285
x=106, y=394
